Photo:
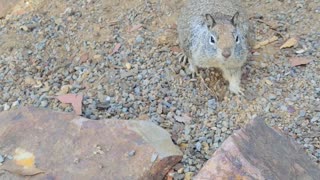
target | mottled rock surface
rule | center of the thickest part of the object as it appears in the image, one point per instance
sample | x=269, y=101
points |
x=71, y=147
x=259, y=152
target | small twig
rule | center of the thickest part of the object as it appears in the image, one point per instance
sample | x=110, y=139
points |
x=268, y=24
x=272, y=26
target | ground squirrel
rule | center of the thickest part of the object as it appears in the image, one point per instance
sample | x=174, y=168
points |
x=213, y=33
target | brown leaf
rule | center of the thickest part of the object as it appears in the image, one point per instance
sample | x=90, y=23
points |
x=296, y=61
x=74, y=100
x=290, y=43
x=84, y=57
x=265, y=42
x=135, y=27
x=116, y=48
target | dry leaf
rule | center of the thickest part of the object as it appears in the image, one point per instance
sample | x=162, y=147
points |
x=265, y=42
x=296, y=61
x=116, y=48
x=183, y=146
x=84, y=57
x=74, y=100
x=128, y=66
x=290, y=43
x=205, y=146
x=162, y=40
x=135, y=27
x=29, y=81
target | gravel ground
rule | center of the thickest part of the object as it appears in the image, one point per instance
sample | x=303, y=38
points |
x=67, y=47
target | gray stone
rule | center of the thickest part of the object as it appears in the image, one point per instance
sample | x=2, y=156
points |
x=1, y=159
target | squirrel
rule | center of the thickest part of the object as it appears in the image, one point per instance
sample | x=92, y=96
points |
x=213, y=33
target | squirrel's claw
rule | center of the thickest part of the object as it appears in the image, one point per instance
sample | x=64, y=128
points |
x=183, y=59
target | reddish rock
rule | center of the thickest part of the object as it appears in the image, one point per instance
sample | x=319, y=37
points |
x=259, y=152
x=6, y=6
x=66, y=146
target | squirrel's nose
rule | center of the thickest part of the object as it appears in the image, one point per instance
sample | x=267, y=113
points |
x=226, y=53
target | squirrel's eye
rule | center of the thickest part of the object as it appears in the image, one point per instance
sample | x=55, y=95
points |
x=212, y=41
x=237, y=39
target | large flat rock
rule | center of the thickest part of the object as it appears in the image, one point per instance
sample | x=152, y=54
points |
x=259, y=152
x=71, y=147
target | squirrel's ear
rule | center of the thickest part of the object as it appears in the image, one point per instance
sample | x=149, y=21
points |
x=209, y=20
x=235, y=19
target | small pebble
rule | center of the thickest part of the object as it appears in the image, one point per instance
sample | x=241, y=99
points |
x=224, y=129
x=6, y=107
x=302, y=113
x=9, y=157
x=131, y=153
x=212, y=104
x=139, y=39
x=272, y=97
x=198, y=146
x=44, y=103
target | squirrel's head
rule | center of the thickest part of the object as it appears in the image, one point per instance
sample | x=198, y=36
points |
x=223, y=40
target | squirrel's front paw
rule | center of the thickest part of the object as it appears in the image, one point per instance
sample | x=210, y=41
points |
x=193, y=70
x=183, y=59
x=235, y=88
